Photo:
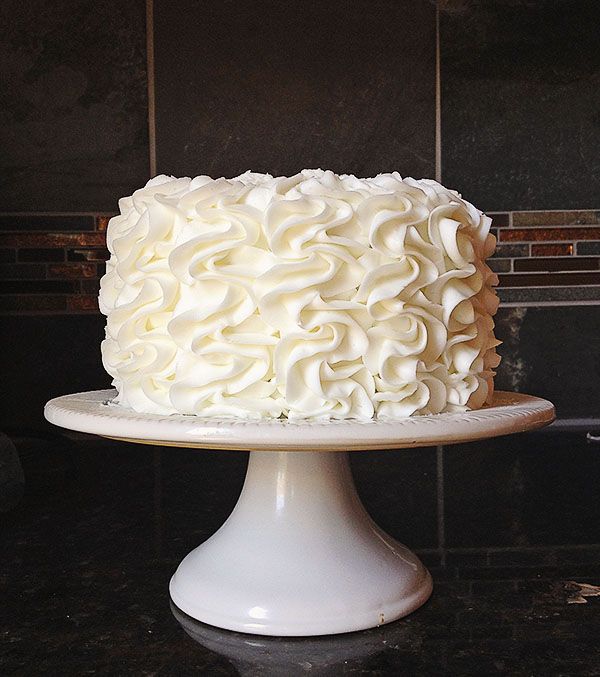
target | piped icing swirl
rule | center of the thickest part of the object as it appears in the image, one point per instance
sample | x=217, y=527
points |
x=317, y=296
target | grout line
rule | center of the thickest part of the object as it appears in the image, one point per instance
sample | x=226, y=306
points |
x=556, y=286
x=56, y=213
x=504, y=304
x=562, y=211
x=438, y=99
x=555, y=257
x=573, y=424
x=158, y=502
x=151, y=90
x=439, y=458
x=546, y=273
x=553, y=227
x=490, y=549
x=493, y=212
x=532, y=242
x=547, y=304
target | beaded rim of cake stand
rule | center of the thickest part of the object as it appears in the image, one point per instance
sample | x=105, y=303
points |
x=93, y=412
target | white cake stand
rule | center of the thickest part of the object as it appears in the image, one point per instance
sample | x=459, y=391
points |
x=299, y=555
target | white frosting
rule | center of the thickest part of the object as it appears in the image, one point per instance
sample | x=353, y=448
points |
x=315, y=296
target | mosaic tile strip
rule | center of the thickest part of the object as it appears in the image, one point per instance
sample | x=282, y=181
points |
x=52, y=263
x=554, y=256
x=46, y=267
x=52, y=240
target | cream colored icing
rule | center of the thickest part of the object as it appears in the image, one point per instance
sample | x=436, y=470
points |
x=315, y=296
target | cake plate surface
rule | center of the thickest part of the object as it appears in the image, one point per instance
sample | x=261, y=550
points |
x=299, y=555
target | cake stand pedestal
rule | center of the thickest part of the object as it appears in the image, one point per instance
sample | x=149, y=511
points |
x=299, y=555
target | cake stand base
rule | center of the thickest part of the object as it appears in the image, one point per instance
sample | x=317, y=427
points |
x=299, y=555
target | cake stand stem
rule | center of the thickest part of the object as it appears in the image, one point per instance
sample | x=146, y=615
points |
x=299, y=555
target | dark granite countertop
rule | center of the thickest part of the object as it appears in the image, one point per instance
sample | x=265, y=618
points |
x=88, y=550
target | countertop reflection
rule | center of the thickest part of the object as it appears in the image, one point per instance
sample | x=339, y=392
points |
x=280, y=656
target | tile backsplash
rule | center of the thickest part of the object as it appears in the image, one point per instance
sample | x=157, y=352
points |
x=274, y=87
x=546, y=253
x=520, y=102
x=497, y=100
x=479, y=121
x=74, y=132
x=52, y=263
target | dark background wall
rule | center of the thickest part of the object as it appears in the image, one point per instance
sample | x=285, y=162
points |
x=347, y=85
x=500, y=100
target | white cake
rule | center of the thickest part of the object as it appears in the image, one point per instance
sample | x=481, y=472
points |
x=317, y=296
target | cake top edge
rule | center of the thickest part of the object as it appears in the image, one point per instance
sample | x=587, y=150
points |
x=384, y=182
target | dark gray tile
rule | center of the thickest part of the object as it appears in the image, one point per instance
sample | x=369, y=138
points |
x=500, y=265
x=585, y=248
x=74, y=111
x=22, y=271
x=46, y=356
x=47, y=222
x=523, y=557
x=500, y=219
x=581, y=555
x=200, y=489
x=558, y=263
x=39, y=286
x=532, y=295
x=8, y=255
x=107, y=478
x=467, y=558
x=42, y=254
x=572, y=280
x=511, y=250
x=522, y=490
x=399, y=491
x=520, y=122
x=552, y=352
x=42, y=304
x=276, y=87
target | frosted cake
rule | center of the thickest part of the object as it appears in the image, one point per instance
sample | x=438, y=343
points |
x=311, y=297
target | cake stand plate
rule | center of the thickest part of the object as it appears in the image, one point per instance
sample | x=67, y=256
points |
x=299, y=555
